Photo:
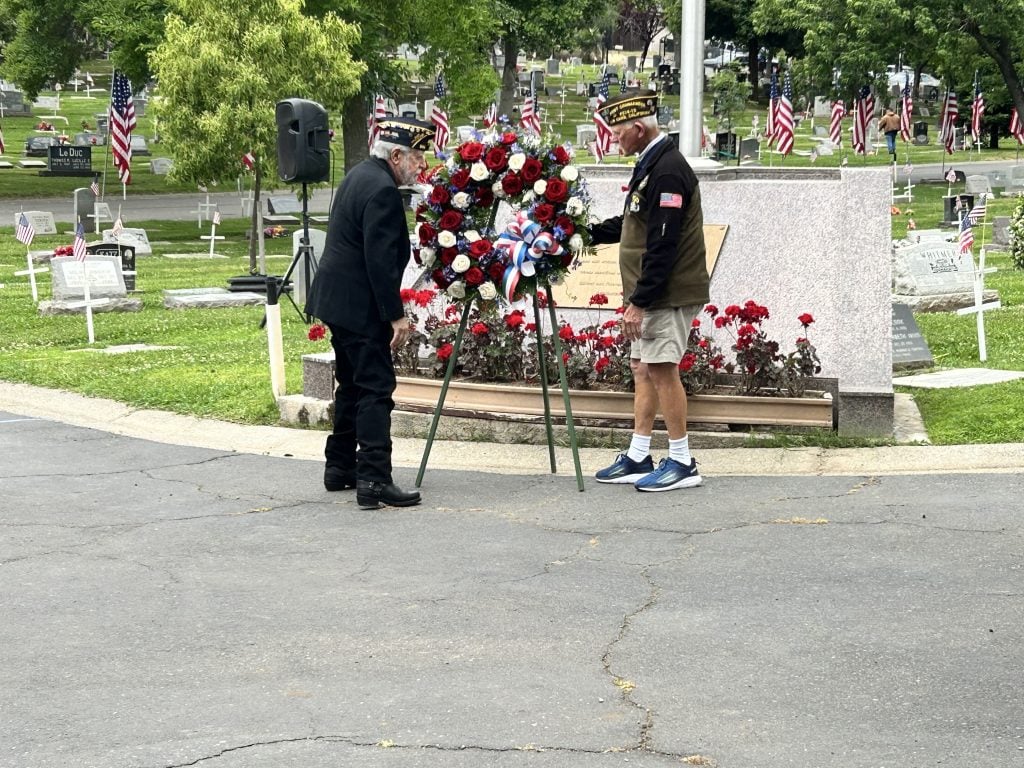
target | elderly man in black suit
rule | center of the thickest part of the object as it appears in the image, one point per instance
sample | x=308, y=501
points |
x=356, y=293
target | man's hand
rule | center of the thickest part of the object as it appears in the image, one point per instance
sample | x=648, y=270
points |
x=632, y=319
x=401, y=329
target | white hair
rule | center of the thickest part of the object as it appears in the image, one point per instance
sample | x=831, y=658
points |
x=383, y=149
x=650, y=124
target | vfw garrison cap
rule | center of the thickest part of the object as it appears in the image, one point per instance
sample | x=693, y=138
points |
x=632, y=105
x=406, y=132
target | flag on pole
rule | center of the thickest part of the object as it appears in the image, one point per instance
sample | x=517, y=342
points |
x=950, y=112
x=95, y=186
x=491, y=117
x=966, y=235
x=439, y=117
x=865, y=108
x=906, y=111
x=530, y=120
x=249, y=161
x=835, y=127
x=951, y=176
x=379, y=113
x=604, y=132
x=784, y=118
x=977, y=110
x=78, y=249
x=1016, y=129
x=118, y=227
x=216, y=218
x=979, y=210
x=122, y=123
x=25, y=231
x=771, y=125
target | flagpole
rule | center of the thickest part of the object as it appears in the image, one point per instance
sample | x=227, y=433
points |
x=88, y=306
x=106, y=162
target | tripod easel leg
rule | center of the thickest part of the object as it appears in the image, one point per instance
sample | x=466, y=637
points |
x=544, y=387
x=444, y=392
x=557, y=342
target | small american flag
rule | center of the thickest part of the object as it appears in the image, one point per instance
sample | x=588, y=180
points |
x=118, y=227
x=835, y=128
x=25, y=231
x=604, y=132
x=865, y=108
x=249, y=161
x=78, y=249
x=951, y=176
x=966, y=235
x=530, y=120
x=950, y=112
x=216, y=218
x=491, y=117
x=978, y=211
x=906, y=111
x=122, y=123
x=95, y=186
x=379, y=113
x=977, y=110
x=439, y=117
x=784, y=117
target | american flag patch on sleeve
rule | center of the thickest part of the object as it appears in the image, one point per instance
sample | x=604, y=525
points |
x=669, y=200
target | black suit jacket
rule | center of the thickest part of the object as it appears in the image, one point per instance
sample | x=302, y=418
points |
x=359, y=280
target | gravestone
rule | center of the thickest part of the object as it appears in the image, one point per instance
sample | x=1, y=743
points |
x=160, y=166
x=748, y=148
x=909, y=348
x=933, y=277
x=14, y=103
x=84, y=200
x=68, y=160
x=464, y=133
x=131, y=236
x=47, y=102
x=31, y=164
x=281, y=208
x=1001, y=230
x=977, y=185
x=102, y=122
x=552, y=66
x=954, y=204
x=125, y=253
x=665, y=114
x=105, y=282
x=407, y=110
x=822, y=106
x=300, y=279
x=210, y=298
x=138, y=144
x=39, y=146
x=585, y=134
x=42, y=221
x=89, y=139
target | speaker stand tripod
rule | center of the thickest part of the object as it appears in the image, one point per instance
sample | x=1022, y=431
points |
x=305, y=255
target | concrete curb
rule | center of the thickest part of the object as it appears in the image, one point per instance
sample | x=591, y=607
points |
x=163, y=427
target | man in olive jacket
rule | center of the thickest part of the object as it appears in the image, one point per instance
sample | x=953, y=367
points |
x=664, y=286
x=356, y=293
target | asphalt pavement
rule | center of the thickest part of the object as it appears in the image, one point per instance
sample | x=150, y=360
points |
x=169, y=602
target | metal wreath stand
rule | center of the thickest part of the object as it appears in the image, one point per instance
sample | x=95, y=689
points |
x=557, y=344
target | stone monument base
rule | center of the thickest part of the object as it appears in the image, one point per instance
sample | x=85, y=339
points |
x=942, y=302
x=70, y=308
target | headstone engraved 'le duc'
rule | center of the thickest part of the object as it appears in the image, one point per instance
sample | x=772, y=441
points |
x=69, y=160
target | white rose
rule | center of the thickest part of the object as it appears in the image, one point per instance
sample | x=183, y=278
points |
x=460, y=201
x=570, y=173
x=515, y=163
x=487, y=291
x=461, y=263
x=540, y=187
x=427, y=256
x=528, y=197
x=457, y=290
x=574, y=207
x=478, y=171
x=497, y=190
x=472, y=236
x=446, y=239
x=576, y=243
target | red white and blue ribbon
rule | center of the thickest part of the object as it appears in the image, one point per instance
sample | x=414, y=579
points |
x=525, y=242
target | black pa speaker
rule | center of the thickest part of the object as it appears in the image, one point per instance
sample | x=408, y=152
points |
x=303, y=155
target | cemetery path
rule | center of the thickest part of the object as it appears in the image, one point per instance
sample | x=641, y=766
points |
x=167, y=604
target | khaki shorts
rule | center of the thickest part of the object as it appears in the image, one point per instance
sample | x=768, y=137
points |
x=663, y=334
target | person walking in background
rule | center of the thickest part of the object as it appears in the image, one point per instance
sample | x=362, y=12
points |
x=356, y=293
x=889, y=124
x=665, y=284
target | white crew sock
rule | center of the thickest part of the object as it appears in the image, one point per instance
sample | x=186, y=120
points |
x=639, y=447
x=680, y=450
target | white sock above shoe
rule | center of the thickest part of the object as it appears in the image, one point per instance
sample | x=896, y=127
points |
x=679, y=450
x=639, y=447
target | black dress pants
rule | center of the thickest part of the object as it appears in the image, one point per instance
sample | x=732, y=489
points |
x=363, y=402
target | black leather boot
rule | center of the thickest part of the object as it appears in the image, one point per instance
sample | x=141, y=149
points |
x=372, y=495
x=337, y=479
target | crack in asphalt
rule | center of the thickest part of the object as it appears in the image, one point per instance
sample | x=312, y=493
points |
x=126, y=471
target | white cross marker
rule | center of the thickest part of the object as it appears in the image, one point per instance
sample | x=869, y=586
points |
x=213, y=237
x=32, y=271
x=979, y=307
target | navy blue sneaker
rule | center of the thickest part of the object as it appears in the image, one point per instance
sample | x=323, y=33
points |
x=670, y=475
x=625, y=470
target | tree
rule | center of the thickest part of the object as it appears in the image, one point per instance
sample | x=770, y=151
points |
x=730, y=92
x=642, y=19
x=223, y=68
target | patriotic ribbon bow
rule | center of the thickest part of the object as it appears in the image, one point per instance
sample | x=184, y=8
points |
x=525, y=242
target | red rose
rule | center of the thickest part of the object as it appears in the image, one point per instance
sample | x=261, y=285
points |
x=460, y=178
x=439, y=278
x=448, y=255
x=805, y=319
x=531, y=169
x=444, y=352
x=561, y=156
x=420, y=210
x=471, y=151
x=565, y=224
x=511, y=184
x=484, y=197
x=496, y=159
x=544, y=213
x=496, y=271
x=474, y=276
x=567, y=258
x=480, y=248
x=439, y=195
x=427, y=233
x=509, y=138
x=450, y=220
x=557, y=190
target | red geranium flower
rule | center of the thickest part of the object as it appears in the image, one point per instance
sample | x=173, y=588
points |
x=602, y=363
x=444, y=352
x=424, y=297
x=732, y=310
x=450, y=220
x=806, y=319
x=511, y=184
x=711, y=309
x=479, y=329
x=407, y=295
x=688, y=361
x=695, y=323
x=471, y=151
x=557, y=190
x=566, y=333
x=496, y=159
x=531, y=169
x=316, y=332
x=514, y=319
x=598, y=300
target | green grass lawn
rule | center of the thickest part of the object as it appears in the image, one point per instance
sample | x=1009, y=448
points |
x=219, y=367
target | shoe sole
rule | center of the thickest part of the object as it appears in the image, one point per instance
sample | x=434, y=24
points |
x=623, y=479
x=377, y=504
x=340, y=486
x=687, y=482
